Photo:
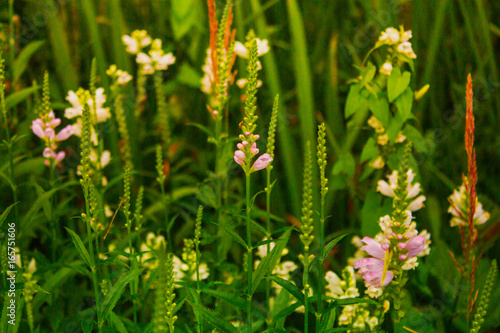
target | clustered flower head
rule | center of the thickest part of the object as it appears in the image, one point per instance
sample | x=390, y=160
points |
x=356, y=315
x=137, y=40
x=399, y=39
x=414, y=201
x=247, y=150
x=44, y=128
x=156, y=59
x=99, y=113
x=382, y=140
x=241, y=50
x=459, y=207
x=397, y=247
x=121, y=77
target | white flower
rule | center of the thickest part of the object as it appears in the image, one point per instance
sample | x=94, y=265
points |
x=386, y=68
x=123, y=77
x=137, y=40
x=406, y=49
x=406, y=36
x=458, y=208
x=389, y=36
x=242, y=51
x=387, y=189
x=241, y=83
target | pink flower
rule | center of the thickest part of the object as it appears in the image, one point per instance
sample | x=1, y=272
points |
x=37, y=127
x=372, y=270
x=254, y=150
x=239, y=156
x=60, y=156
x=374, y=248
x=65, y=133
x=262, y=162
x=48, y=153
x=415, y=246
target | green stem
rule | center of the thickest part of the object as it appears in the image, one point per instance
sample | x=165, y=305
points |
x=198, y=289
x=320, y=276
x=249, y=259
x=132, y=267
x=51, y=217
x=92, y=258
x=305, y=280
x=268, y=213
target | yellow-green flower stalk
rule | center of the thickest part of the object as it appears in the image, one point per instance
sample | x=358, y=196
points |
x=485, y=298
x=170, y=295
x=307, y=228
x=161, y=109
x=161, y=178
x=270, y=150
x=196, y=241
x=322, y=162
x=128, y=225
x=85, y=181
x=119, y=80
x=29, y=290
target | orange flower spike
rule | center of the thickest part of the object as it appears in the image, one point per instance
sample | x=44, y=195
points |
x=213, y=36
x=471, y=155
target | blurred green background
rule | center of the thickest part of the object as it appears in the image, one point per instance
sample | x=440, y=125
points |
x=316, y=48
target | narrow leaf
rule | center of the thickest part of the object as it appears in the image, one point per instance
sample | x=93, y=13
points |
x=82, y=250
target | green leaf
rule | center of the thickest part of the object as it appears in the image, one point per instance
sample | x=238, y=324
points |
x=6, y=212
x=404, y=104
x=231, y=298
x=397, y=123
x=235, y=236
x=290, y=287
x=19, y=96
x=355, y=101
x=287, y=311
x=370, y=151
x=80, y=248
x=331, y=244
x=184, y=16
x=117, y=290
x=345, y=165
x=21, y=63
x=87, y=325
x=419, y=142
x=367, y=73
x=371, y=212
x=216, y=320
x=117, y=323
x=328, y=320
x=189, y=76
x=397, y=83
x=270, y=261
x=380, y=108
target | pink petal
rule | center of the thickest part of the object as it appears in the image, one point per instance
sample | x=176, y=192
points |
x=48, y=153
x=37, y=129
x=415, y=246
x=262, y=162
x=60, y=156
x=373, y=248
x=65, y=133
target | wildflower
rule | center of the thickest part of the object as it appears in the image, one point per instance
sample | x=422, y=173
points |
x=378, y=163
x=390, y=36
x=400, y=39
x=242, y=50
x=345, y=288
x=44, y=128
x=82, y=97
x=459, y=203
x=387, y=189
x=138, y=40
x=386, y=68
x=156, y=59
x=241, y=83
x=122, y=77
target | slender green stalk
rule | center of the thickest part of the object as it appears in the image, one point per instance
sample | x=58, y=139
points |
x=322, y=161
x=249, y=259
x=307, y=228
x=197, y=235
x=268, y=230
